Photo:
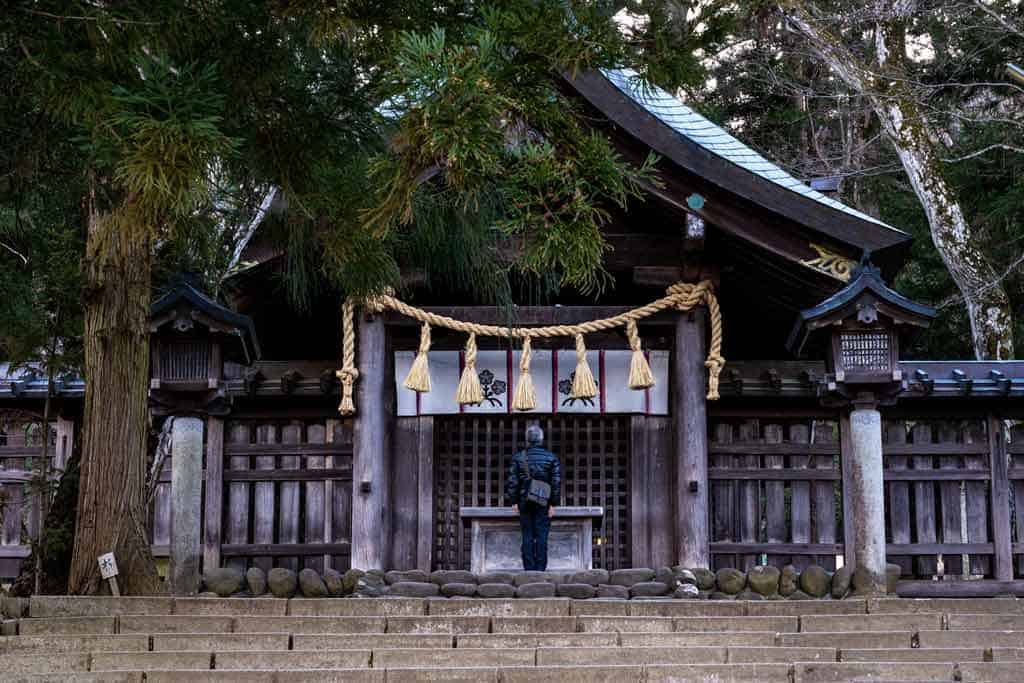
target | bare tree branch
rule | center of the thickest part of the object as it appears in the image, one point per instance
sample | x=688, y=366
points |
x=984, y=150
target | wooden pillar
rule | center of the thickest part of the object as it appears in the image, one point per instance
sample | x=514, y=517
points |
x=689, y=413
x=214, y=505
x=1001, y=533
x=186, y=504
x=425, y=495
x=371, y=447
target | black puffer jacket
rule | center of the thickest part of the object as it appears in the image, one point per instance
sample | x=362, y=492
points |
x=544, y=465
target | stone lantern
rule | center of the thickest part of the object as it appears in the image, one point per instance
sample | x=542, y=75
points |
x=860, y=330
x=191, y=337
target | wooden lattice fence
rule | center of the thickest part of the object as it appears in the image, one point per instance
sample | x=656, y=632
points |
x=472, y=455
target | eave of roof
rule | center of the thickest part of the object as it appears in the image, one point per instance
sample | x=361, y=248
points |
x=674, y=131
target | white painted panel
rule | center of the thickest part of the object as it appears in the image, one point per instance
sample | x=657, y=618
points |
x=618, y=397
x=566, y=370
x=492, y=368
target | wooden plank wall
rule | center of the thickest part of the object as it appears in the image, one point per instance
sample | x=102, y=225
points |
x=276, y=494
x=774, y=492
x=942, y=518
x=20, y=458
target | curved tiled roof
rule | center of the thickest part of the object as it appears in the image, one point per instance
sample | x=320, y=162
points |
x=714, y=139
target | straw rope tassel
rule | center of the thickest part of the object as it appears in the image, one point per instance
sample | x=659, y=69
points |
x=715, y=361
x=525, y=398
x=583, y=384
x=640, y=375
x=418, y=378
x=348, y=373
x=469, y=391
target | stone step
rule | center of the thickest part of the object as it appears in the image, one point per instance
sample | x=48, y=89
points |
x=460, y=657
x=946, y=605
x=220, y=642
x=570, y=674
x=373, y=641
x=858, y=639
x=779, y=655
x=962, y=654
x=141, y=661
x=452, y=625
x=724, y=639
x=54, y=645
x=535, y=640
x=533, y=624
x=449, y=675
x=292, y=660
x=67, y=626
x=175, y=624
x=1008, y=654
x=983, y=639
x=355, y=607
x=719, y=673
x=79, y=677
x=479, y=607
x=50, y=663
x=685, y=608
x=738, y=624
x=625, y=624
x=871, y=622
x=236, y=607
x=85, y=606
x=843, y=672
x=992, y=672
x=985, y=622
x=560, y=656
x=311, y=625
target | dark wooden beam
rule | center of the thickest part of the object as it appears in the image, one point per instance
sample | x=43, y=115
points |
x=691, y=441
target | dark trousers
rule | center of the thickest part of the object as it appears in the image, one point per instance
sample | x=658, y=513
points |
x=533, y=519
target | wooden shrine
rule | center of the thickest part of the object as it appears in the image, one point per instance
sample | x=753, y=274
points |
x=730, y=455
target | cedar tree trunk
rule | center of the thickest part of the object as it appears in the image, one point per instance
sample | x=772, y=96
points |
x=111, y=502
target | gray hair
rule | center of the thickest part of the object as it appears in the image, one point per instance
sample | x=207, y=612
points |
x=534, y=435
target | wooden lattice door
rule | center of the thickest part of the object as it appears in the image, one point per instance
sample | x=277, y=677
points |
x=472, y=455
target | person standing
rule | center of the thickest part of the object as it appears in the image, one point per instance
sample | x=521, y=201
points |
x=533, y=486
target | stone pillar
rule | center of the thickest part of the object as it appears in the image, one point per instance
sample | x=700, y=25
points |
x=371, y=446
x=186, y=504
x=689, y=412
x=865, y=492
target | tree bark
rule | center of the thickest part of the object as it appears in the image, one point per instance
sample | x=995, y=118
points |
x=111, y=503
x=988, y=306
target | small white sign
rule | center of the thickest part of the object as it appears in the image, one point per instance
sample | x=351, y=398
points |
x=108, y=565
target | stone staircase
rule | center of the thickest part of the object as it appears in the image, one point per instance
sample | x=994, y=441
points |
x=393, y=640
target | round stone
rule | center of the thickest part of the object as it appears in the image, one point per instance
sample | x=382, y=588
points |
x=311, y=585
x=686, y=591
x=685, y=576
x=256, y=580
x=667, y=576
x=282, y=582
x=335, y=583
x=224, y=581
x=730, y=580
x=648, y=589
x=443, y=576
x=531, y=576
x=577, y=591
x=414, y=589
x=815, y=581
x=705, y=579
x=497, y=577
x=591, y=577
x=612, y=592
x=749, y=595
x=411, y=575
x=764, y=580
x=349, y=580
x=461, y=590
x=495, y=590
x=841, y=582
x=536, y=590
x=718, y=595
x=789, y=580
x=630, y=577
x=799, y=595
